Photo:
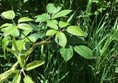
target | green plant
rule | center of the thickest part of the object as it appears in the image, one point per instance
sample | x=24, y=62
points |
x=19, y=39
x=55, y=37
x=11, y=32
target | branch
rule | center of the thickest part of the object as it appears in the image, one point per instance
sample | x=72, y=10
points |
x=37, y=44
x=7, y=73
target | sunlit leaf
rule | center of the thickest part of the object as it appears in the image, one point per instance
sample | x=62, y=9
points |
x=52, y=24
x=24, y=26
x=42, y=18
x=8, y=14
x=20, y=45
x=33, y=65
x=27, y=79
x=5, y=75
x=61, y=39
x=63, y=24
x=25, y=19
x=51, y=32
x=21, y=60
x=5, y=25
x=11, y=30
x=16, y=33
x=75, y=30
x=17, y=79
x=51, y=8
x=62, y=13
x=14, y=45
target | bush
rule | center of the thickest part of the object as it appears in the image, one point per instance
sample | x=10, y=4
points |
x=46, y=42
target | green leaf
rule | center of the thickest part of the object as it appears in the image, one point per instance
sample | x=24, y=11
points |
x=11, y=30
x=58, y=8
x=24, y=26
x=52, y=24
x=61, y=39
x=16, y=33
x=27, y=79
x=63, y=24
x=31, y=38
x=14, y=45
x=34, y=37
x=51, y=8
x=21, y=60
x=33, y=65
x=75, y=30
x=38, y=35
x=42, y=18
x=62, y=13
x=66, y=53
x=6, y=25
x=116, y=70
x=84, y=51
x=12, y=51
x=35, y=26
x=6, y=74
x=20, y=45
x=25, y=33
x=8, y=14
x=14, y=73
x=51, y=32
x=24, y=19
x=5, y=42
x=16, y=79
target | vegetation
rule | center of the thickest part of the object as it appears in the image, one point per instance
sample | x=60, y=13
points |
x=59, y=41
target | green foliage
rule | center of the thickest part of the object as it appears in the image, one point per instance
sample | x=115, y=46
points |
x=84, y=51
x=67, y=53
x=52, y=24
x=33, y=65
x=42, y=18
x=24, y=19
x=27, y=79
x=51, y=32
x=12, y=31
x=74, y=30
x=8, y=14
x=58, y=41
x=63, y=24
x=17, y=79
x=52, y=9
x=62, y=13
x=61, y=39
